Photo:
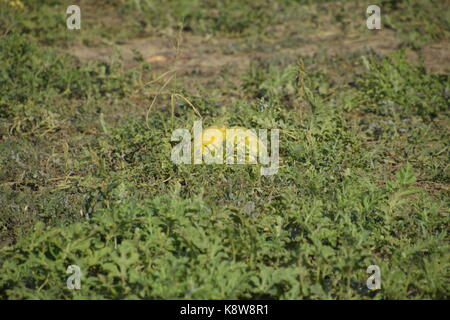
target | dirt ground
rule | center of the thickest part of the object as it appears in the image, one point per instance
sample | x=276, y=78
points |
x=207, y=56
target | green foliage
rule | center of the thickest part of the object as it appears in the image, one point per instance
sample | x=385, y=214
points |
x=169, y=247
x=225, y=232
x=41, y=19
x=34, y=80
x=231, y=17
x=86, y=178
x=410, y=18
x=395, y=86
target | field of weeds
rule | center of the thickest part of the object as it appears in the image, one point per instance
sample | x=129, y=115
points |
x=87, y=177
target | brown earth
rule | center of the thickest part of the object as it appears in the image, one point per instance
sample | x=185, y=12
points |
x=207, y=56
